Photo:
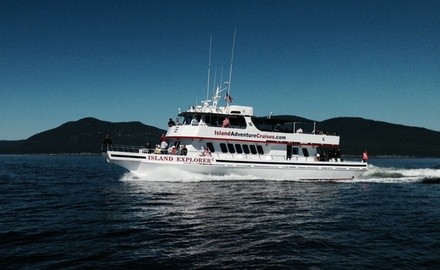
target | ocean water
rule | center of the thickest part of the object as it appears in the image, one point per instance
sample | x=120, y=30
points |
x=78, y=212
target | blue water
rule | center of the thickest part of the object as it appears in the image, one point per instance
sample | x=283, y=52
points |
x=76, y=212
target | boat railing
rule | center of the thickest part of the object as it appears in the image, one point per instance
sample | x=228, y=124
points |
x=144, y=150
x=138, y=149
x=125, y=148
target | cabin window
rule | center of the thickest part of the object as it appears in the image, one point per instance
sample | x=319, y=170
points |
x=223, y=148
x=295, y=151
x=305, y=152
x=187, y=120
x=235, y=121
x=246, y=149
x=195, y=120
x=242, y=121
x=260, y=150
x=212, y=121
x=203, y=119
x=231, y=148
x=253, y=149
x=238, y=148
x=210, y=147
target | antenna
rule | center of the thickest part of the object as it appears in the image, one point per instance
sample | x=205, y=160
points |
x=215, y=81
x=209, y=68
x=221, y=79
x=232, y=60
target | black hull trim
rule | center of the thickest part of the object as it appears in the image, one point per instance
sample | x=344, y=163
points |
x=327, y=164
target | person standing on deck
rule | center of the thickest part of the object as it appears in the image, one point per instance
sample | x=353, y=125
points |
x=171, y=123
x=163, y=147
x=225, y=122
x=107, y=143
x=365, y=156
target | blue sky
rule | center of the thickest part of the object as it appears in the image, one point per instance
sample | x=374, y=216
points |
x=119, y=61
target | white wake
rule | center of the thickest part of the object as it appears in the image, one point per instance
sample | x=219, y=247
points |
x=399, y=175
x=176, y=175
x=374, y=174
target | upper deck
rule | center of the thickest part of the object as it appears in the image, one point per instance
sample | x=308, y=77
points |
x=210, y=126
x=238, y=123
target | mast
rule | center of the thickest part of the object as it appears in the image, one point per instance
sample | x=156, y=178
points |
x=216, y=97
x=209, y=68
x=230, y=68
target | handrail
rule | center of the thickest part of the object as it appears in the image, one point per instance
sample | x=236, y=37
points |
x=123, y=148
x=142, y=149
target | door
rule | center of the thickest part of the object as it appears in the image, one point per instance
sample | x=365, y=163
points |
x=289, y=152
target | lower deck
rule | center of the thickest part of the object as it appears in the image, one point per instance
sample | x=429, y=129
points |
x=265, y=168
x=239, y=155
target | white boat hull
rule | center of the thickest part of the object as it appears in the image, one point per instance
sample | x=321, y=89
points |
x=144, y=164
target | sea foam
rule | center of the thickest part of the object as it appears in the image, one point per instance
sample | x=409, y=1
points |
x=398, y=175
x=374, y=174
x=176, y=175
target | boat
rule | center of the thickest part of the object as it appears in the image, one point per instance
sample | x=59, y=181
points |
x=221, y=140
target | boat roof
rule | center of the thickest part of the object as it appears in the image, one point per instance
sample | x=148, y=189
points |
x=280, y=119
x=227, y=110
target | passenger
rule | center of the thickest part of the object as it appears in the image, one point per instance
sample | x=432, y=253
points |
x=163, y=147
x=194, y=122
x=178, y=121
x=107, y=142
x=157, y=150
x=201, y=122
x=184, y=151
x=225, y=123
x=173, y=150
x=365, y=156
x=317, y=157
x=171, y=123
x=148, y=147
x=338, y=154
x=207, y=152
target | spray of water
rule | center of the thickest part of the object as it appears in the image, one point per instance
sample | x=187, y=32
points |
x=400, y=175
x=176, y=175
x=373, y=175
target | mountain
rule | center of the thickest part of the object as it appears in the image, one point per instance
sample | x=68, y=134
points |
x=83, y=136
x=381, y=138
x=357, y=134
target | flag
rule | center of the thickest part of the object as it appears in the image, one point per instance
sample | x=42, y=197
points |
x=228, y=98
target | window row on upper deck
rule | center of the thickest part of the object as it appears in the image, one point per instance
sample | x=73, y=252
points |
x=213, y=120
x=236, y=148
